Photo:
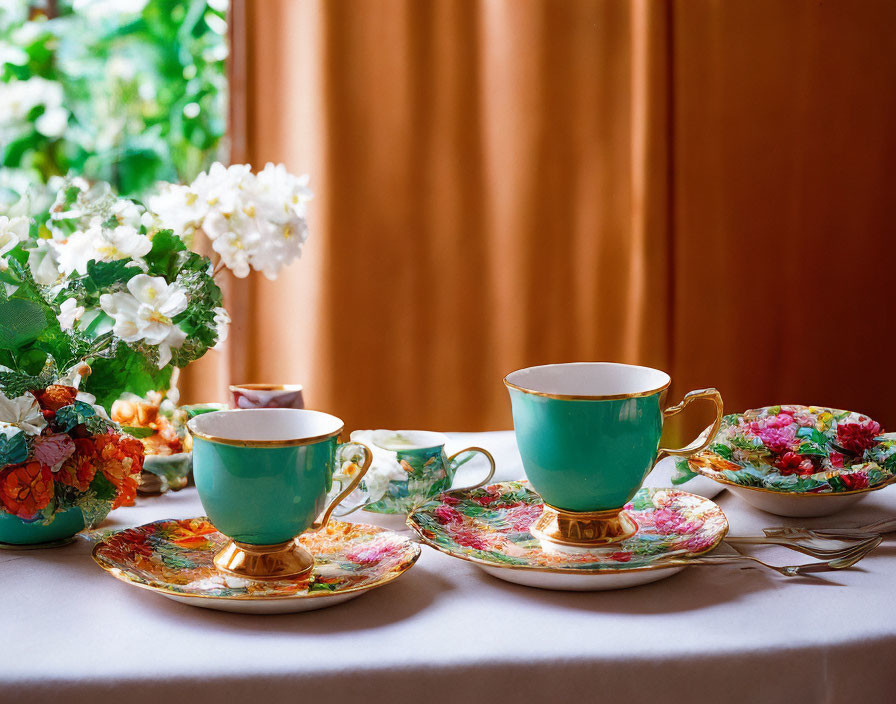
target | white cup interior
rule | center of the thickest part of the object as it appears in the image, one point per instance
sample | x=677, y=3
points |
x=405, y=440
x=274, y=424
x=589, y=379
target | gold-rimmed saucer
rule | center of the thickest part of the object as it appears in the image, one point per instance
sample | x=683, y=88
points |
x=175, y=559
x=491, y=527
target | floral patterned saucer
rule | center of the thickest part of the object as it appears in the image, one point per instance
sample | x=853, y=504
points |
x=797, y=460
x=174, y=559
x=490, y=527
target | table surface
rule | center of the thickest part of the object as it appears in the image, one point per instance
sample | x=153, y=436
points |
x=448, y=632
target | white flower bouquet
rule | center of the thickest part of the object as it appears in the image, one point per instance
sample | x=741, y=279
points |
x=254, y=221
x=108, y=281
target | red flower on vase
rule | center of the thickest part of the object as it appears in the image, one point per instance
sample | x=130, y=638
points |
x=120, y=459
x=857, y=437
x=55, y=396
x=79, y=469
x=26, y=488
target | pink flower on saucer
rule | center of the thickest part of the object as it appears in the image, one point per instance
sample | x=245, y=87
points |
x=521, y=519
x=470, y=539
x=446, y=515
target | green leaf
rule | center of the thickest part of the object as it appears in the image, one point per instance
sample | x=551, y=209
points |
x=683, y=472
x=164, y=259
x=102, y=275
x=125, y=371
x=16, y=383
x=721, y=450
x=810, y=448
x=13, y=449
x=322, y=587
x=21, y=321
x=80, y=413
x=102, y=487
x=813, y=435
x=137, y=432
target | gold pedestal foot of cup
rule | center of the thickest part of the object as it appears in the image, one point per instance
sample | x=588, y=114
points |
x=583, y=529
x=265, y=562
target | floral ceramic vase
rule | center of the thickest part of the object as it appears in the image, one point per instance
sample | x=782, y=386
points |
x=63, y=464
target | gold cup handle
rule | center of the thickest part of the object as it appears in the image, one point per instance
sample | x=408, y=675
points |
x=475, y=450
x=368, y=458
x=711, y=394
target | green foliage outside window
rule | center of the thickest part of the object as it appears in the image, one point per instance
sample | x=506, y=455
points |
x=125, y=91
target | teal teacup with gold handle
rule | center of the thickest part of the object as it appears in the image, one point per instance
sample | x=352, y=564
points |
x=263, y=477
x=589, y=434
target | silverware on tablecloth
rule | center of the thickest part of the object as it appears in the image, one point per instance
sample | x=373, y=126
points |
x=814, y=546
x=786, y=570
x=886, y=525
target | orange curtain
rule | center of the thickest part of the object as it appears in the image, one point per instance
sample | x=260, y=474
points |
x=699, y=186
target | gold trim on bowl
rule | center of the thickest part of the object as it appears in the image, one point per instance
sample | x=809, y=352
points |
x=801, y=494
x=588, y=397
x=119, y=574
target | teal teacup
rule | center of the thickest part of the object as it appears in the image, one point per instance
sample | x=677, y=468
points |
x=263, y=477
x=589, y=434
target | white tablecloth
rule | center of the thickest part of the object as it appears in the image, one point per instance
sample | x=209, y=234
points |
x=447, y=632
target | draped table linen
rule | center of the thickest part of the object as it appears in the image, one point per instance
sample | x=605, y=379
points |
x=447, y=632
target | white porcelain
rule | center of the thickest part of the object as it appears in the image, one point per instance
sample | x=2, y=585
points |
x=589, y=379
x=663, y=471
x=264, y=606
x=265, y=424
x=603, y=581
x=795, y=505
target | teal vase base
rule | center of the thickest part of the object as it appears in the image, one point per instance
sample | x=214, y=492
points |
x=16, y=534
x=62, y=542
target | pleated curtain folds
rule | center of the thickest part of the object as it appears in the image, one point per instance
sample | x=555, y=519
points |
x=700, y=186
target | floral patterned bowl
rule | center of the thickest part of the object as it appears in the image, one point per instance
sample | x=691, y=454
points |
x=490, y=527
x=174, y=558
x=797, y=460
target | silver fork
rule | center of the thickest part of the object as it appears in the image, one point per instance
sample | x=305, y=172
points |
x=814, y=546
x=787, y=570
x=886, y=525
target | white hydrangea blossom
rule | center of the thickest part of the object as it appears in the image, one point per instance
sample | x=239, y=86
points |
x=222, y=325
x=100, y=244
x=12, y=231
x=19, y=98
x=69, y=313
x=146, y=313
x=21, y=414
x=254, y=221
